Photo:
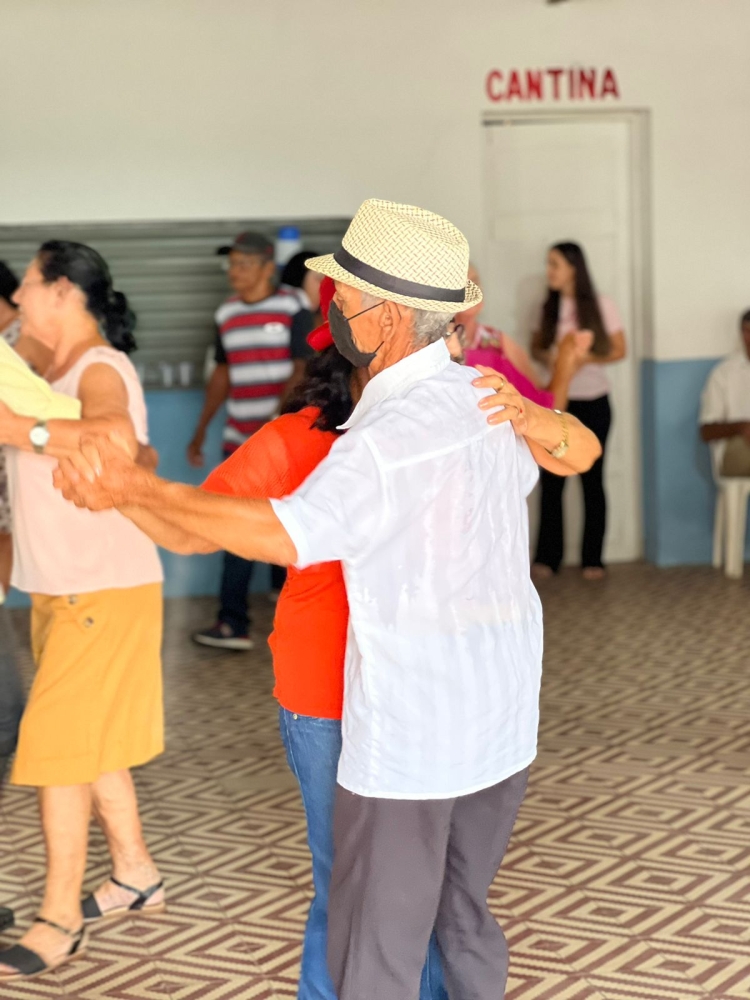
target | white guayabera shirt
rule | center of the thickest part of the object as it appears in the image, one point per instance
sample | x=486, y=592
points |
x=425, y=505
x=726, y=397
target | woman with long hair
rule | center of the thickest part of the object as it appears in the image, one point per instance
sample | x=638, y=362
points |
x=572, y=306
x=95, y=580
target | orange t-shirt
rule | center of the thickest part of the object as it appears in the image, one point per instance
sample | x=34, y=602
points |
x=309, y=635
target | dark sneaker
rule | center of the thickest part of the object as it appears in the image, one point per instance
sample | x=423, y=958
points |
x=6, y=918
x=223, y=636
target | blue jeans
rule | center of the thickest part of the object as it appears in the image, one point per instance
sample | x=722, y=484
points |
x=313, y=747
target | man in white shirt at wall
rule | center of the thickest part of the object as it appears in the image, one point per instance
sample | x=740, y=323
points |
x=424, y=502
x=725, y=409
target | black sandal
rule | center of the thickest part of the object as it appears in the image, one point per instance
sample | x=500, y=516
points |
x=92, y=912
x=28, y=964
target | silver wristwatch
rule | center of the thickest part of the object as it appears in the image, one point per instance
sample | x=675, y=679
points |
x=39, y=436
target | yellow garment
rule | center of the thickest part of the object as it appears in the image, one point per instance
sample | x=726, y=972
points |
x=30, y=396
x=96, y=701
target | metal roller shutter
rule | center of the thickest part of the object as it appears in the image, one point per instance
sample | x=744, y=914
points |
x=169, y=272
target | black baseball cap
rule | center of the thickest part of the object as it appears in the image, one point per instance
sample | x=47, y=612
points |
x=250, y=243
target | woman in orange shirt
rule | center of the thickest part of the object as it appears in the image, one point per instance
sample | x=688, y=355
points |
x=309, y=637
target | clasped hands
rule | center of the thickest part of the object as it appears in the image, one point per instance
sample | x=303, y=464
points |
x=101, y=475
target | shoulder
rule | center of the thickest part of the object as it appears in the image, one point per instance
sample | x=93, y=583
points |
x=436, y=414
x=723, y=370
x=303, y=444
x=285, y=300
x=233, y=306
x=297, y=428
x=105, y=363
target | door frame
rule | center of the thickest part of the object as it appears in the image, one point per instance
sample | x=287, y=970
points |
x=640, y=338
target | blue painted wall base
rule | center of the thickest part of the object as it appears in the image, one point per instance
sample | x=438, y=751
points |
x=679, y=492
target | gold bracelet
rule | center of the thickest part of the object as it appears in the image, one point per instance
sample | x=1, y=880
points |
x=561, y=449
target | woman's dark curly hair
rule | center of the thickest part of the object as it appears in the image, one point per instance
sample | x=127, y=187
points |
x=326, y=385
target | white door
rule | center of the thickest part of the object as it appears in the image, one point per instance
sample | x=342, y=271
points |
x=547, y=181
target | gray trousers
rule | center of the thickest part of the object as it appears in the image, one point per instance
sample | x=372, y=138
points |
x=402, y=867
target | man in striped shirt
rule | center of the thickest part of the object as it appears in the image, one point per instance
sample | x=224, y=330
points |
x=260, y=353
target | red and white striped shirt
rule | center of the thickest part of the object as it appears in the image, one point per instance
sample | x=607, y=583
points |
x=259, y=341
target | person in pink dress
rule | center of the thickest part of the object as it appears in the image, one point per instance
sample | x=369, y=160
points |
x=484, y=345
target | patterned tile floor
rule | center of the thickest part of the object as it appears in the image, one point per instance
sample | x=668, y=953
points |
x=629, y=872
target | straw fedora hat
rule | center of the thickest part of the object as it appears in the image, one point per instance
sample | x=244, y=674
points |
x=406, y=255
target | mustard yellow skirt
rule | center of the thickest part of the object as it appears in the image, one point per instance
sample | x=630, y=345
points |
x=96, y=704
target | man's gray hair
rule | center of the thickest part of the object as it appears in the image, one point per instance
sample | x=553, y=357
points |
x=428, y=326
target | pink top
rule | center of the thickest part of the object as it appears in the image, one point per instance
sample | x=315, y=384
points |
x=591, y=381
x=488, y=350
x=58, y=548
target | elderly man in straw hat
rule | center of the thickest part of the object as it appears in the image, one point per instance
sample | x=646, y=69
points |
x=424, y=502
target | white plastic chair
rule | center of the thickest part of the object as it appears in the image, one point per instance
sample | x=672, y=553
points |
x=730, y=523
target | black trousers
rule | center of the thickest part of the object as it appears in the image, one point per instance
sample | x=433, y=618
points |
x=235, y=583
x=11, y=693
x=597, y=416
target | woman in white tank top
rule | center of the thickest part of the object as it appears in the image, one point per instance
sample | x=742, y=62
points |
x=95, y=708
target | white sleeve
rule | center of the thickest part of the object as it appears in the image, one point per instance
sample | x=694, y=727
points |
x=338, y=513
x=714, y=399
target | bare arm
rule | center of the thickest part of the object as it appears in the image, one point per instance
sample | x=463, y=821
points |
x=571, y=354
x=248, y=528
x=104, y=401
x=217, y=392
x=543, y=429
x=102, y=476
x=721, y=431
x=166, y=534
x=618, y=351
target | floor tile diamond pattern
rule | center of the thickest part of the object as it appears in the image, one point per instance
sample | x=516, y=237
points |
x=628, y=877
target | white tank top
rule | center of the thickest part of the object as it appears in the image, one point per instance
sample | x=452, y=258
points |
x=59, y=549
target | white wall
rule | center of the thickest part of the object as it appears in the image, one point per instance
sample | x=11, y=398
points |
x=156, y=109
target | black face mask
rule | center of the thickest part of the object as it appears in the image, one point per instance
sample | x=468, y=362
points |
x=341, y=331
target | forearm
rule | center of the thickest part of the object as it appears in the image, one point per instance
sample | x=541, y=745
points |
x=166, y=534
x=559, y=384
x=719, y=432
x=545, y=428
x=617, y=351
x=65, y=435
x=248, y=528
